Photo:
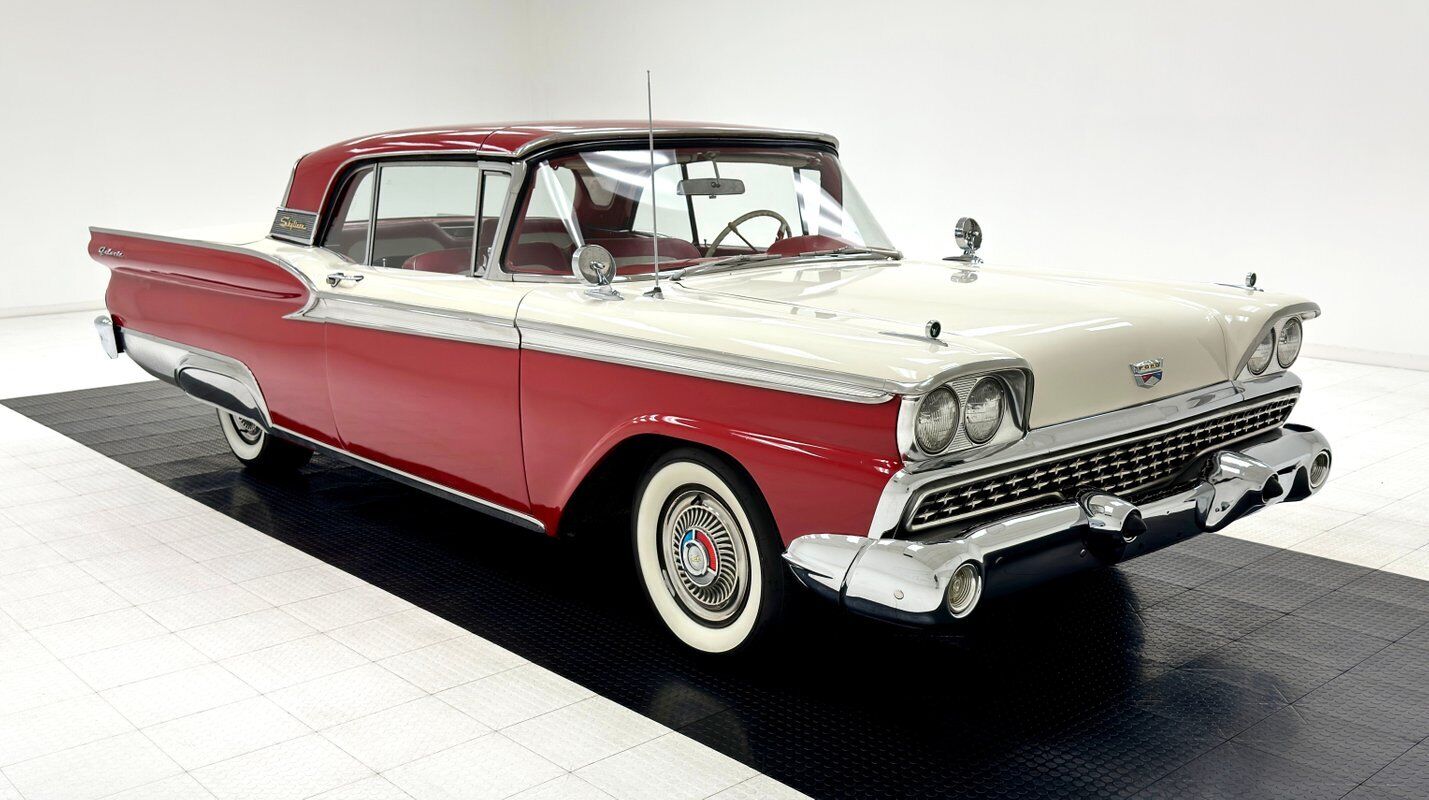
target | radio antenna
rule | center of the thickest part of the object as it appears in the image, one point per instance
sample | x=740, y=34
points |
x=654, y=204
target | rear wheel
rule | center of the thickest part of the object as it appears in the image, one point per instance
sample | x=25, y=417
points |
x=705, y=548
x=258, y=450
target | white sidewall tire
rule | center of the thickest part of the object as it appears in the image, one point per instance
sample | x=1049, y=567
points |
x=661, y=486
x=246, y=452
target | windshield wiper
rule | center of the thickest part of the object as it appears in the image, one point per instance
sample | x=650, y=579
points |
x=751, y=258
x=724, y=263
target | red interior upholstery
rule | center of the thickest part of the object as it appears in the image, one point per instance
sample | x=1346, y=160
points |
x=635, y=247
x=453, y=261
x=540, y=256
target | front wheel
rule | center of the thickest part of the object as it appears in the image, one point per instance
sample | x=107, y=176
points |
x=705, y=547
x=257, y=449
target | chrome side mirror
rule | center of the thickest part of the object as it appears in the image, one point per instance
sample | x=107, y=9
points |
x=968, y=235
x=595, y=267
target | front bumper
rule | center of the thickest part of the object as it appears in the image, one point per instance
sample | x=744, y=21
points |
x=907, y=580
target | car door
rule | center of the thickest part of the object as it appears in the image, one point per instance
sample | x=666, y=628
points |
x=423, y=364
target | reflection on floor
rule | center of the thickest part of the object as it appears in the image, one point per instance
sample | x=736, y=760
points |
x=186, y=626
x=1214, y=664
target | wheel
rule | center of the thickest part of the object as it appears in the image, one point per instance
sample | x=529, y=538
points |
x=257, y=450
x=706, y=551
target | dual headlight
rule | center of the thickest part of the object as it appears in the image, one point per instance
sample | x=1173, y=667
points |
x=1282, y=342
x=978, y=414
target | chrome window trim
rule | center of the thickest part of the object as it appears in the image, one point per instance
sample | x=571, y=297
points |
x=898, y=492
x=395, y=317
x=226, y=248
x=564, y=138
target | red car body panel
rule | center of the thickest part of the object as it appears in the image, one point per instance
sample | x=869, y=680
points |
x=575, y=411
x=230, y=303
x=519, y=428
x=441, y=410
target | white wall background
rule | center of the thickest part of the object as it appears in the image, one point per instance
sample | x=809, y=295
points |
x=170, y=115
x=1196, y=142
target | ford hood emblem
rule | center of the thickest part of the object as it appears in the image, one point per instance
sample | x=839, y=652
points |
x=1147, y=373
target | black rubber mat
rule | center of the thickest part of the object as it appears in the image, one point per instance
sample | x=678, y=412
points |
x=1216, y=668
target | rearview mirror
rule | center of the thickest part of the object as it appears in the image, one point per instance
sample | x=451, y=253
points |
x=709, y=186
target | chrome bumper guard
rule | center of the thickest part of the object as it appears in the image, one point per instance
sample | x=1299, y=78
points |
x=910, y=580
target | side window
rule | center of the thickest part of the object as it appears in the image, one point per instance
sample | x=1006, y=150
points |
x=425, y=217
x=347, y=236
x=494, y=186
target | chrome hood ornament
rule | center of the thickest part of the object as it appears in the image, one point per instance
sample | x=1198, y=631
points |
x=1147, y=373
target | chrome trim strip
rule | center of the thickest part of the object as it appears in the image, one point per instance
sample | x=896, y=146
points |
x=216, y=379
x=435, y=323
x=1066, y=435
x=518, y=518
x=562, y=340
x=226, y=248
x=189, y=369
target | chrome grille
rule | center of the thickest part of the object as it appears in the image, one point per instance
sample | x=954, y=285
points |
x=1120, y=467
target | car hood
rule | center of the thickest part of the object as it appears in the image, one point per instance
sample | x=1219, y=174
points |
x=1080, y=335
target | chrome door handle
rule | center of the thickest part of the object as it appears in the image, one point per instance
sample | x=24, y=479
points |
x=337, y=278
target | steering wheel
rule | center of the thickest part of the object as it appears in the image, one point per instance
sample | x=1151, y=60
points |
x=733, y=227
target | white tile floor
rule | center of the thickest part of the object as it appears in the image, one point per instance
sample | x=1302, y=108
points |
x=152, y=648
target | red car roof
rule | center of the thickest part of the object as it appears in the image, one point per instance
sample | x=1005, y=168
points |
x=315, y=172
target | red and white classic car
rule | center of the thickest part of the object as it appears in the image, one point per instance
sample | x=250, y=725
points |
x=702, y=329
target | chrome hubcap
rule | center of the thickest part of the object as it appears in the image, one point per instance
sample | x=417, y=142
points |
x=248, y=430
x=703, y=556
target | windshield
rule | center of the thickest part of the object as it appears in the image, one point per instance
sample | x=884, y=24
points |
x=710, y=203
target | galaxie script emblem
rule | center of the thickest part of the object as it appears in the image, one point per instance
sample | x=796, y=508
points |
x=111, y=252
x=1147, y=373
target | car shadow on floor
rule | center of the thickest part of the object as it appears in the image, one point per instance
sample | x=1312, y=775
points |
x=1098, y=684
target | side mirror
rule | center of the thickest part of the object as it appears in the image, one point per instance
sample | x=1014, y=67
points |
x=968, y=235
x=595, y=267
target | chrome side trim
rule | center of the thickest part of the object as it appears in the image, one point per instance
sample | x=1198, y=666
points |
x=435, y=323
x=904, y=484
x=471, y=501
x=215, y=379
x=227, y=383
x=559, y=339
x=226, y=248
x=714, y=365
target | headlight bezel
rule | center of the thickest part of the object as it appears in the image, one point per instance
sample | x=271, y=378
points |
x=1016, y=384
x=1274, y=328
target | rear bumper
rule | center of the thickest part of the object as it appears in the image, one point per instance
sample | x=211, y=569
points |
x=907, y=580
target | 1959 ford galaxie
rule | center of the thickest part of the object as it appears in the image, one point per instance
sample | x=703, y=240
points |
x=702, y=329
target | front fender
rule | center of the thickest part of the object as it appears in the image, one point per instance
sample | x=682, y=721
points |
x=821, y=464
